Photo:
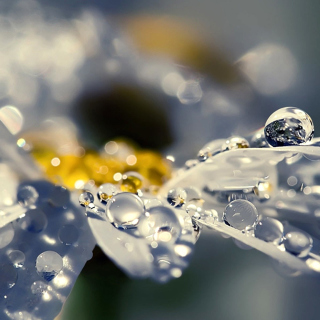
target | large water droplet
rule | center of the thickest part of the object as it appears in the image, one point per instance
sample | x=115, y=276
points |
x=68, y=234
x=49, y=264
x=288, y=126
x=124, y=210
x=298, y=243
x=161, y=224
x=240, y=214
x=17, y=258
x=106, y=191
x=269, y=230
x=34, y=221
x=27, y=196
x=177, y=197
x=8, y=278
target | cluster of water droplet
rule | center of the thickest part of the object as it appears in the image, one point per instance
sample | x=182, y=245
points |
x=45, y=241
x=140, y=221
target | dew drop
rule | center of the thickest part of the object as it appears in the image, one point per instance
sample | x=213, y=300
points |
x=193, y=211
x=298, y=243
x=17, y=258
x=106, y=192
x=68, y=234
x=131, y=182
x=124, y=210
x=269, y=230
x=49, y=264
x=288, y=126
x=34, y=221
x=235, y=142
x=240, y=214
x=27, y=196
x=86, y=198
x=177, y=197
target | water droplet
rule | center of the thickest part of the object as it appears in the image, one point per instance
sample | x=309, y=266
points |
x=288, y=126
x=106, y=191
x=6, y=235
x=177, y=197
x=34, y=221
x=124, y=210
x=240, y=214
x=193, y=211
x=49, y=264
x=258, y=140
x=298, y=243
x=210, y=216
x=27, y=196
x=60, y=196
x=235, y=142
x=161, y=224
x=17, y=258
x=131, y=182
x=203, y=154
x=39, y=287
x=152, y=202
x=68, y=234
x=269, y=230
x=86, y=198
x=8, y=278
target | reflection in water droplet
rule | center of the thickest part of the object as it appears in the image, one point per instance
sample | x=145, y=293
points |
x=240, y=214
x=298, y=243
x=193, y=211
x=269, y=230
x=27, y=196
x=161, y=224
x=124, y=210
x=177, y=197
x=6, y=235
x=60, y=196
x=8, y=278
x=235, y=142
x=86, y=198
x=12, y=118
x=106, y=191
x=34, y=221
x=49, y=264
x=17, y=258
x=288, y=126
x=131, y=182
x=38, y=287
x=68, y=234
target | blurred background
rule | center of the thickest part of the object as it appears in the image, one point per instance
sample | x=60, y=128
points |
x=169, y=76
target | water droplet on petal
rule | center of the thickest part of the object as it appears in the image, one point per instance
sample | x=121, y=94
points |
x=240, y=214
x=288, y=126
x=38, y=287
x=131, y=182
x=106, y=191
x=86, y=198
x=34, y=221
x=193, y=211
x=49, y=264
x=177, y=197
x=298, y=243
x=17, y=258
x=269, y=230
x=235, y=142
x=68, y=234
x=27, y=196
x=124, y=210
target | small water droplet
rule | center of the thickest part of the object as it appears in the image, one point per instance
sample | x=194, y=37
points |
x=210, y=216
x=27, y=196
x=269, y=230
x=17, y=258
x=177, y=197
x=288, y=126
x=193, y=211
x=86, y=198
x=258, y=140
x=240, y=214
x=34, y=221
x=68, y=234
x=124, y=210
x=106, y=191
x=235, y=142
x=131, y=182
x=298, y=243
x=49, y=264
x=152, y=202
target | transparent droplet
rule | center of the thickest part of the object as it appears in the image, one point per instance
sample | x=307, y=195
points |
x=86, y=198
x=38, y=287
x=269, y=230
x=258, y=140
x=203, y=154
x=17, y=258
x=235, y=142
x=288, y=126
x=193, y=211
x=131, y=182
x=34, y=221
x=161, y=223
x=8, y=278
x=124, y=210
x=68, y=234
x=6, y=235
x=106, y=191
x=210, y=216
x=190, y=163
x=27, y=196
x=49, y=264
x=152, y=202
x=240, y=214
x=298, y=243
x=60, y=196
x=177, y=197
